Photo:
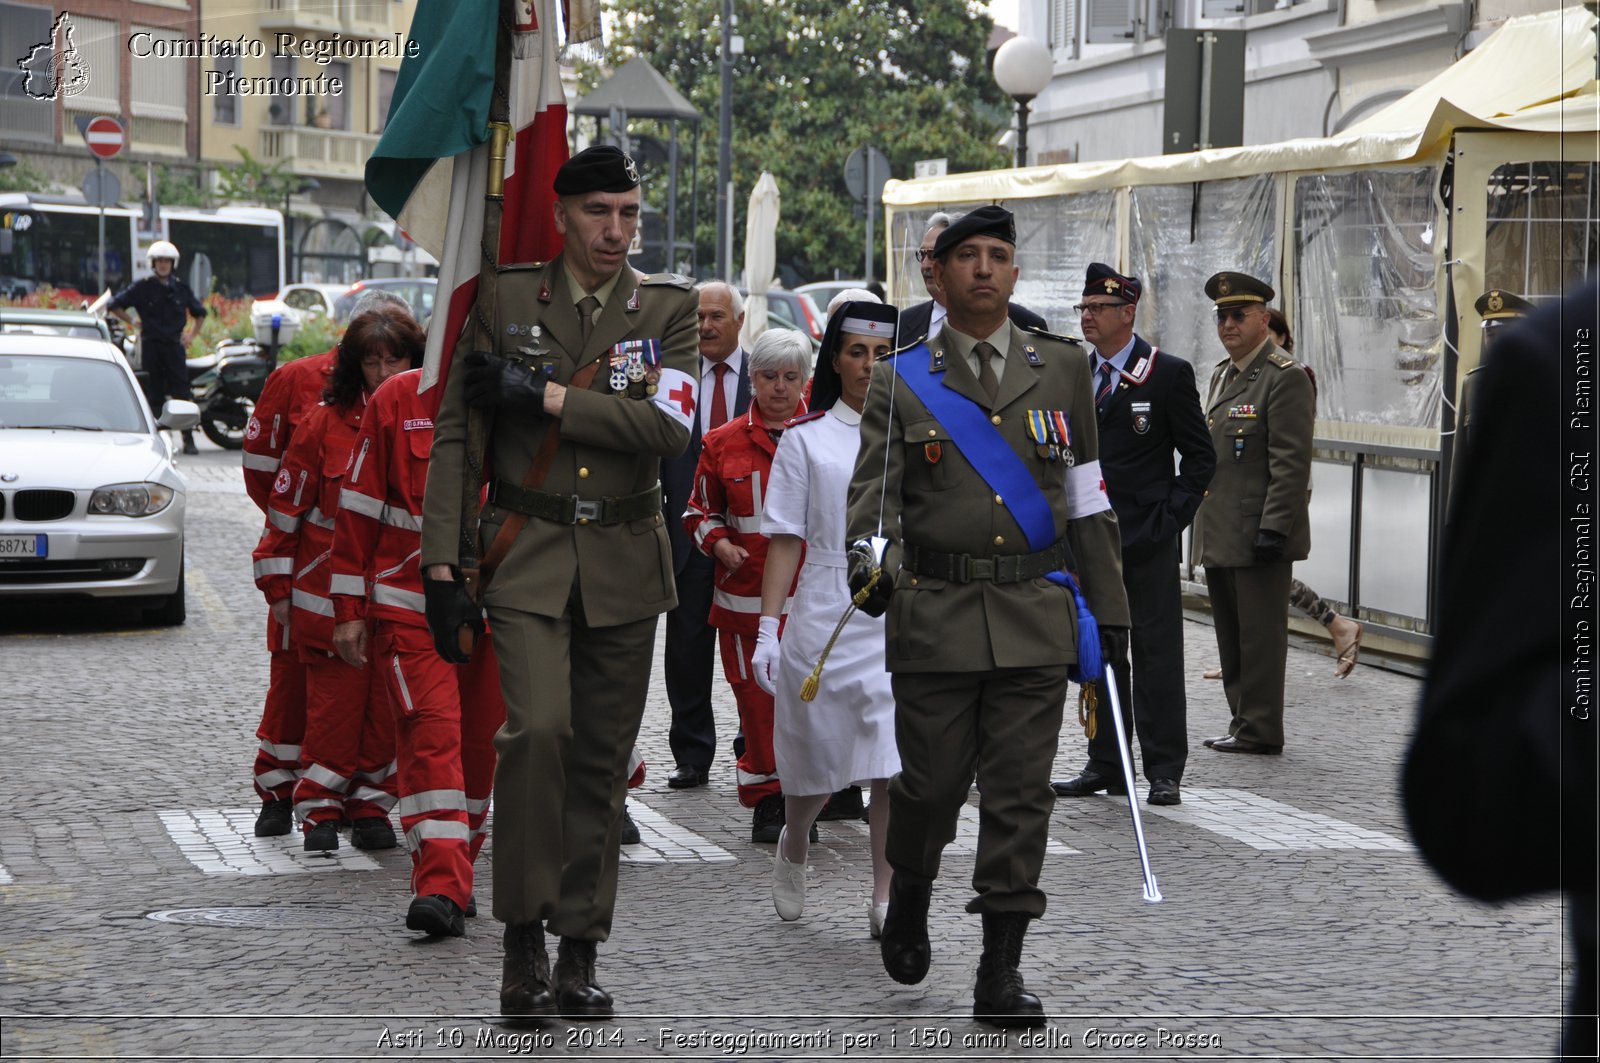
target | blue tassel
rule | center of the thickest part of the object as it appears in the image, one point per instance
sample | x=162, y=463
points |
x=1089, y=668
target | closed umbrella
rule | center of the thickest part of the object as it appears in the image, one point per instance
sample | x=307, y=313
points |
x=760, y=254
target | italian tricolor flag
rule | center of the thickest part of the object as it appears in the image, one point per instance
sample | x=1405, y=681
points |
x=430, y=169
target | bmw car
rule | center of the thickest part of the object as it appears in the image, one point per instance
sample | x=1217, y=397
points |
x=91, y=504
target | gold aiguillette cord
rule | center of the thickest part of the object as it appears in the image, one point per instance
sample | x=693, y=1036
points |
x=813, y=682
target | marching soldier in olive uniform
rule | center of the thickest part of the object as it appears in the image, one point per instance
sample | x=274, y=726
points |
x=997, y=421
x=1497, y=308
x=591, y=379
x=1254, y=524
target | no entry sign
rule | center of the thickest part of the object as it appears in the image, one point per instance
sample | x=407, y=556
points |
x=104, y=136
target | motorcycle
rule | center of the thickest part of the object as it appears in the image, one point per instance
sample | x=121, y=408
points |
x=226, y=384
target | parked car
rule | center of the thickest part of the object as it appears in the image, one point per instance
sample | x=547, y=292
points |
x=418, y=291
x=91, y=503
x=313, y=298
x=78, y=323
x=786, y=309
x=822, y=292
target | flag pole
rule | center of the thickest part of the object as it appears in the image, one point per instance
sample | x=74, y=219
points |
x=480, y=334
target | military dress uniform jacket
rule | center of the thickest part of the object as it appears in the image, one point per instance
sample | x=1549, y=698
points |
x=611, y=447
x=1153, y=410
x=933, y=497
x=1261, y=426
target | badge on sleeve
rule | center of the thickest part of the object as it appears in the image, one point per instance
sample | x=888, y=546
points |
x=253, y=429
x=281, y=484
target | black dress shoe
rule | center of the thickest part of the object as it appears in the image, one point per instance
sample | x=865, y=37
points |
x=1208, y=743
x=526, y=994
x=577, y=995
x=846, y=804
x=684, y=777
x=1238, y=745
x=1164, y=792
x=1088, y=782
x=904, y=945
x=629, y=835
x=436, y=916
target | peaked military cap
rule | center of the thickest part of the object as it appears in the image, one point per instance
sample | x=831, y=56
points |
x=1101, y=279
x=601, y=168
x=985, y=221
x=1230, y=288
x=1497, y=304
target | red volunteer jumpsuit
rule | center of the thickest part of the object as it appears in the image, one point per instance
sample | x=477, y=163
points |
x=445, y=715
x=347, y=757
x=730, y=486
x=290, y=393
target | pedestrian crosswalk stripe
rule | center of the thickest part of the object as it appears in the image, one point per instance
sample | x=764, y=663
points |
x=1265, y=824
x=966, y=840
x=223, y=842
x=663, y=842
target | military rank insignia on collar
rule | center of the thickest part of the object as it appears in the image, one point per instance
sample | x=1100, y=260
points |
x=936, y=363
x=1032, y=356
x=633, y=300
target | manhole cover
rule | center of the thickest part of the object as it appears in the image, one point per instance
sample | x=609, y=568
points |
x=293, y=917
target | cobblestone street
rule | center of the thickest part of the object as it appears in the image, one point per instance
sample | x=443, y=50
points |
x=144, y=919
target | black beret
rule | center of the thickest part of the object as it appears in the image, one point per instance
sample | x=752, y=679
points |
x=1497, y=303
x=1101, y=279
x=602, y=168
x=985, y=221
x=1229, y=288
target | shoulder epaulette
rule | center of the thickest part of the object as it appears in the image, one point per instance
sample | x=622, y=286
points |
x=518, y=267
x=803, y=418
x=676, y=280
x=1034, y=331
x=1281, y=360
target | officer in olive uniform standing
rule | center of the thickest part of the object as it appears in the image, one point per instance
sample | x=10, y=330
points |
x=979, y=639
x=1254, y=524
x=591, y=379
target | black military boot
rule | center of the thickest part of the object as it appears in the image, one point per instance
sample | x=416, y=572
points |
x=1000, y=998
x=580, y=998
x=904, y=945
x=525, y=990
x=276, y=818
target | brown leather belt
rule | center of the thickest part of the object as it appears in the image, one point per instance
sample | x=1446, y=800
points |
x=1002, y=568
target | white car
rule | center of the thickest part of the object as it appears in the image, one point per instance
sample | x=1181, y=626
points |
x=91, y=504
x=312, y=299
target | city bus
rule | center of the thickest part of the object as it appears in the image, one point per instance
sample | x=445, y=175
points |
x=50, y=241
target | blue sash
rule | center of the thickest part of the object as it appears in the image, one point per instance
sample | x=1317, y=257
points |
x=1007, y=476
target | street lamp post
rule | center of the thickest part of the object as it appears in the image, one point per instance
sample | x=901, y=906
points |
x=307, y=184
x=1022, y=69
x=725, y=146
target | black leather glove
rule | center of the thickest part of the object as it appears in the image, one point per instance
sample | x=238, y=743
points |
x=1270, y=546
x=1113, y=644
x=449, y=609
x=493, y=382
x=863, y=564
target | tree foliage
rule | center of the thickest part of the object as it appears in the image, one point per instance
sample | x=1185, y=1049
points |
x=253, y=181
x=817, y=80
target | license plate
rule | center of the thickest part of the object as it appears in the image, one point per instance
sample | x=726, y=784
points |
x=24, y=546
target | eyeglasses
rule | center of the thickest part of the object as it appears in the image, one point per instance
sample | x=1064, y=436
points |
x=1237, y=313
x=923, y=254
x=1094, y=308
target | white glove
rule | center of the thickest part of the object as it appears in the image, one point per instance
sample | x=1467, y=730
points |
x=765, y=658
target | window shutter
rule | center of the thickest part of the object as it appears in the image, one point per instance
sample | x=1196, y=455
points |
x=1224, y=8
x=1110, y=21
x=1064, y=24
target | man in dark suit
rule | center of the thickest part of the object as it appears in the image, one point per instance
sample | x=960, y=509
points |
x=1147, y=406
x=1508, y=696
x=925, y=319
x=691, y=640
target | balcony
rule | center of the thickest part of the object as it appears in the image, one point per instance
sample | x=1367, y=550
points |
x=310, y=17
x=318, y=152
x=365, y=18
